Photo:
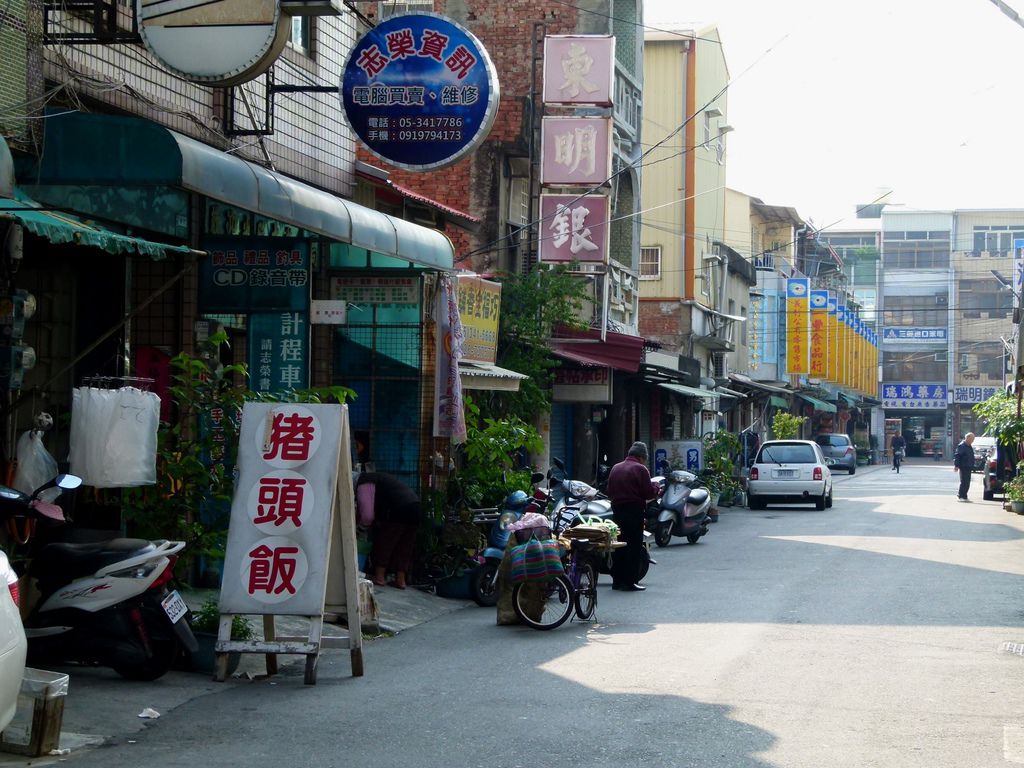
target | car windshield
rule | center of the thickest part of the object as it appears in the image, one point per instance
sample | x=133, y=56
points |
x=788, y=453
x=835, y=441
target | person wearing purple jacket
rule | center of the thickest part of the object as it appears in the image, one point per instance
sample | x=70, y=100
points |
x=630, y=488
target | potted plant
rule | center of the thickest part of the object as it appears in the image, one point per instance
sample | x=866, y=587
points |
x=1014, y=491
x=205, y=626
x=720, y=449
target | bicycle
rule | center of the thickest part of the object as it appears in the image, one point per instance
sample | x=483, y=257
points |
x=897, y=459
x=548, y=604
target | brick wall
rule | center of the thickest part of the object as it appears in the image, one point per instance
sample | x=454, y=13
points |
x=662, y=321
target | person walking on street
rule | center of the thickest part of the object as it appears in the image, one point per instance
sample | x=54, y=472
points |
x=963, y=461
x=630, y=488
x=899, y=448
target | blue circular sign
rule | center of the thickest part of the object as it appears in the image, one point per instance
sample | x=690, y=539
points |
x=420, y=91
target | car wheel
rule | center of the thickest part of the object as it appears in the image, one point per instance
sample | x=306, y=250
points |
x=828, y=501
x=853, y=470
x=988, y=495
x=819, y=502
x=755, y=502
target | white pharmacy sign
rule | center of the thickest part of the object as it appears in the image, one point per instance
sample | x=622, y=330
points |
x=282, y=513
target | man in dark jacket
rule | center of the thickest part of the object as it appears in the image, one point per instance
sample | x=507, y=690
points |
x=963, y=461
x=899, y=443
x=630, y=488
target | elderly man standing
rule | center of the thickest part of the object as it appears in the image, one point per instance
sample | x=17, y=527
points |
x=630, y=488
x=963, y=460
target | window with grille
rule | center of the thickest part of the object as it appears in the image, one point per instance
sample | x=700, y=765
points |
x=650, y=262
x=388, y=9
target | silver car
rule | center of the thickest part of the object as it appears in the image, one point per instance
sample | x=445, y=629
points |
x=840, y=448
x=12, y=644
x=790, y=472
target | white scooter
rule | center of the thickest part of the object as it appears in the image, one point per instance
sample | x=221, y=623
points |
x=104, y=603
x=682, y=510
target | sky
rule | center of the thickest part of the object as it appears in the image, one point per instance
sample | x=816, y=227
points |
x=856, y=97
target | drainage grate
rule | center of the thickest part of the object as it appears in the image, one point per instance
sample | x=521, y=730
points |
x=1017, y=648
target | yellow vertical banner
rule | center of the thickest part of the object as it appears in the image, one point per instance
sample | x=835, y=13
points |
x=798, y=325
x=832, y=363
x=844, y=352
x=819, y=334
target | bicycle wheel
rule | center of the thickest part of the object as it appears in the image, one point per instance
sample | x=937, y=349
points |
x=586, y=596
x=543, y=604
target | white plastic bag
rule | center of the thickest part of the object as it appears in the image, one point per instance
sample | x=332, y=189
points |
x=36, y=466
x=113, y=436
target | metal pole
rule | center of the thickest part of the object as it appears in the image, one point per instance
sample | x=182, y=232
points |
x=540, y=27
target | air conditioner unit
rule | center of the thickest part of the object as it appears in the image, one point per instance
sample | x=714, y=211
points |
x=941, y=357
x=720, y=364
x=942, y=300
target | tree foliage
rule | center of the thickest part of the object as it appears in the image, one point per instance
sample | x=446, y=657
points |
x=786, y=425
x=1000, y=414
x=532, y=304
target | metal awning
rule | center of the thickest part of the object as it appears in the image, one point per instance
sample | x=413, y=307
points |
x=819, y=405
x=704, y=394
x=746, y=381
x=724, y=392
x=778, y=402
x=476, y=375
x=618, y=350
x=62, y=228
x=114, y=150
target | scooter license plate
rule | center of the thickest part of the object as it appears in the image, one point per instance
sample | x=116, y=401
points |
x=174, y=607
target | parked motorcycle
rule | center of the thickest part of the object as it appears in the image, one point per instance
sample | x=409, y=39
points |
x=104, y=603
x=484, y=584
x=577, y=503
x=682, y=510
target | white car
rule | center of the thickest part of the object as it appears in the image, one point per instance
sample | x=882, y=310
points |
x=12, y=643
x=790, y=472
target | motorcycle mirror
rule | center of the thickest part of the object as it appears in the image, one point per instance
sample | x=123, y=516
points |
x=64, y=482
x=536, y=477
x=68, y=482
x=558, y=463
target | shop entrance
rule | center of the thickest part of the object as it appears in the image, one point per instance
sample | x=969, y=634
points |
x=925, y=431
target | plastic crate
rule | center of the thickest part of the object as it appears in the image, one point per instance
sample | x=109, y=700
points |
x=35, y=729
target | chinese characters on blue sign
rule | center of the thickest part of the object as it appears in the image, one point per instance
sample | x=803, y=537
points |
x=254, y=273
x=919, y=396
x=278, y=351
x=914, y=334
x=420, y=91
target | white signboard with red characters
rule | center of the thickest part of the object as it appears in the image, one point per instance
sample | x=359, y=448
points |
x=286, y=517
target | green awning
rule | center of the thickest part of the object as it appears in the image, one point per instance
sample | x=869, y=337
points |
x=127, y=151
x=62, y=228
x=778, y=402
x=819, y=405
x=850, y=399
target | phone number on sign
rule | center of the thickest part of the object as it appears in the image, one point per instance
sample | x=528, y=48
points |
x=426, y=135
x=428, y=123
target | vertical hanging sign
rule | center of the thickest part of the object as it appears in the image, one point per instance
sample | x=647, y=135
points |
x=798, y=325
x=449, y=418
x=832, y=366
x=819, y=334
x=844, y=365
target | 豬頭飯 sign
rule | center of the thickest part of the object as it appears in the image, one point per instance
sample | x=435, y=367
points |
x=420, y=91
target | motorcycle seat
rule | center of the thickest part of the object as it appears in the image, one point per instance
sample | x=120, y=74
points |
x=697, y=496
x=71, y=561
